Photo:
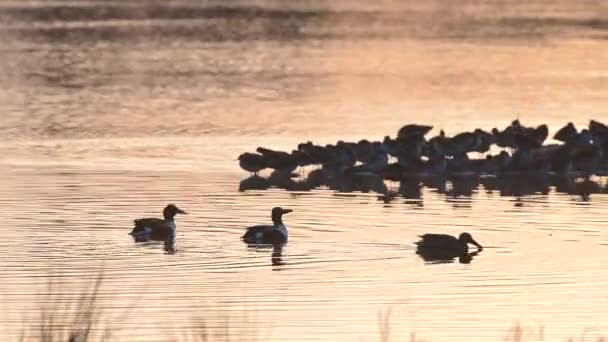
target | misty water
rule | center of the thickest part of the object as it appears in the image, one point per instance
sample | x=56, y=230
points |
x=112, y=109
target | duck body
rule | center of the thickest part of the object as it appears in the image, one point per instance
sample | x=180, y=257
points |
x=147, y=229
x=252, y=162
x=275, y=234
x=566, y=133
x=413, y=129
x=279, y=160
x=599, y=132
x=443, y=246
x=153, y=229
x=266, y=235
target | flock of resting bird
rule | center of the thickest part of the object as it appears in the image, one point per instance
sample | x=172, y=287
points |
x=583, y=152
x=514, y=152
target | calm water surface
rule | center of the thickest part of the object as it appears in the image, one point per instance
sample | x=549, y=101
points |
x=111, y=110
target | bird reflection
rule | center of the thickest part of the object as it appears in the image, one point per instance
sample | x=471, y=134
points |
x=467, y=258
x=447, y=259
x=457, y=190
x=410, y=189
x=276, y=258
x=254, y=182
x=169, y=246
x=277, y=255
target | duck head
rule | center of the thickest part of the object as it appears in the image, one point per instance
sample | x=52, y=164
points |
x=466, y=238
x=171, y=210
x=277, y=214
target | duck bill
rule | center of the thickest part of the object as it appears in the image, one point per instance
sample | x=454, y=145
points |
x=287, y=211
x=179, y=211
x=473, y=242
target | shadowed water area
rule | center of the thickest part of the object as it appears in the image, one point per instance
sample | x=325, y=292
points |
x=113, y=109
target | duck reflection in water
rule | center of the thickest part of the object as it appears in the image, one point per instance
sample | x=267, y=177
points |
x=463, y=259
x=438, y=248
x=169, y=246
x=362, y=182
x=277, y=255
x=254, y=182
x=458, y=190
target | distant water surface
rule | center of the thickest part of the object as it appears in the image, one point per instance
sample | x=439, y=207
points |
x=112, y=109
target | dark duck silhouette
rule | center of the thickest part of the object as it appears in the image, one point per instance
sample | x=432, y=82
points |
x=406, y=149
x=252, y=162
x=462, y=143
x=445, y=247
x=279, y=160
x=566, y=133
x=599, y=131
x=518, y=136
x=157, y=229
x=413, y=129
x=275, y=234
x=317, y=154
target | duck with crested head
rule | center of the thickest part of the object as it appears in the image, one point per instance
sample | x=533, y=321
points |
x=155, y=228
x=275, y=234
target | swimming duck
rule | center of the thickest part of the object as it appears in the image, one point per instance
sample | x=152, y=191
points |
x=275, y=234
x=443, y=246
x=155, y=228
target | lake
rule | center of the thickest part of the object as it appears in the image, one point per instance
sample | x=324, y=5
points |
x=113, y=109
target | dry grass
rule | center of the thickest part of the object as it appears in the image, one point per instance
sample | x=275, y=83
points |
x=63, y=318
x=223, y=329
x=519, y=333
x=384, y=327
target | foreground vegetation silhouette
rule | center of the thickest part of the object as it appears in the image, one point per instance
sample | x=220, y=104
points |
x=60, y=319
